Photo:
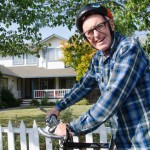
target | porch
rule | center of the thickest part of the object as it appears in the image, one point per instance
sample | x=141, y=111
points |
x=50, y=93
x=39, y=88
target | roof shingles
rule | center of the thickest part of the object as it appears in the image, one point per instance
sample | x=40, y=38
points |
x=37, y=72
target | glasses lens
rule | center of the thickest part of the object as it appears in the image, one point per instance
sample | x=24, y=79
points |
x=100, y=27
x=89, y=33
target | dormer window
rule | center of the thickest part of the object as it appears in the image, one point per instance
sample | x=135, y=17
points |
x=54, y=54
x=32, y=59
x=18, y=60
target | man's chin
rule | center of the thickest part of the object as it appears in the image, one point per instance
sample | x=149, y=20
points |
x=102, y=48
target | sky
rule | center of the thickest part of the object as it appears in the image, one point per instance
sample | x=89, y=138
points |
x=61, y=31
x=66, y=33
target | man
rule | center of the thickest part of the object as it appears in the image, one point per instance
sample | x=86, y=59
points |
x=122, y=71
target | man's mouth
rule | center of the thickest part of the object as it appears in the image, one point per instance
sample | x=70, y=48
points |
x=102, y=39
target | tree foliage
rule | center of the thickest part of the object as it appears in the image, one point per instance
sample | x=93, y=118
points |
x=146, y=46
x=31, y=15
x=77, y=54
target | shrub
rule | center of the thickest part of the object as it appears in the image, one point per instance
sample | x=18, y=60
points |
x=66, y=115
x=51, y=103
x=3, y=105
x=8, y=98
x=84, y=101
x=44, y=102
x=35, y=102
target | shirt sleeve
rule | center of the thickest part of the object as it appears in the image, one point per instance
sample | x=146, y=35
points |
x=127, y=70
x=81, y=89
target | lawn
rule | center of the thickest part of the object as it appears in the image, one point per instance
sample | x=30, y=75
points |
x=28, y=114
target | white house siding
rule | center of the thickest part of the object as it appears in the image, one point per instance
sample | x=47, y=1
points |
x=6, y=61
x=42, y=62
x=55, y=65
x=54, y=41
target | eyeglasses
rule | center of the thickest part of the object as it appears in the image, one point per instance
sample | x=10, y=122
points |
x=89, y=34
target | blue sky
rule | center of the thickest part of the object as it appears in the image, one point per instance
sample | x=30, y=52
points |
x=66, y=33
x=61, y=31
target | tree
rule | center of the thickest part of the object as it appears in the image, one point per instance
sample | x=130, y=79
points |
x=31, y=15
x=146, y=46
x=77, y=54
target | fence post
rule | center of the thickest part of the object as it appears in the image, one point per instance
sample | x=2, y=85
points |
x=103, y=134
x=23, y=140
x=35, y=136
x=89, y=139
x=11, y=145
x=76, y=139
x=49, y=145
x=1, y=140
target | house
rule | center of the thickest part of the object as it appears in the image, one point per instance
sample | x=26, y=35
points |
x=31, y=77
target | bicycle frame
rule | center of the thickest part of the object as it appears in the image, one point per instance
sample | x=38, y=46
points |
x=67, y=145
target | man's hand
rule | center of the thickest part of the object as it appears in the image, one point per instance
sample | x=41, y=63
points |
x=54, y=111
x=61, y=129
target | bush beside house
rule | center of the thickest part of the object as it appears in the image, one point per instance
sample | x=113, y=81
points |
x=8, y=99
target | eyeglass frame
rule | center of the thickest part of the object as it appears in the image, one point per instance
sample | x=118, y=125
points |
x=95, y=28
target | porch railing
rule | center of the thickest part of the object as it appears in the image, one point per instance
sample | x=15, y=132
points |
x=50, y=93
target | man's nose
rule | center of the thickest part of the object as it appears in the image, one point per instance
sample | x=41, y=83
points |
x=96, y=33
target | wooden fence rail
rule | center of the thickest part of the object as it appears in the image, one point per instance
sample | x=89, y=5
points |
x=30, y=137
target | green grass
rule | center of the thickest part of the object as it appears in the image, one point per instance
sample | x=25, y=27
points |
x=30, y=113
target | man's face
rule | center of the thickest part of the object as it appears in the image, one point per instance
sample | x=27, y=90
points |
x=101, y=40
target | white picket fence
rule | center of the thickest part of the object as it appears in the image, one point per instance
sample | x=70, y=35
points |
x=30, y=137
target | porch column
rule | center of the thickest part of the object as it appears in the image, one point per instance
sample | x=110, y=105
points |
x=57, y=83
x=23, y=88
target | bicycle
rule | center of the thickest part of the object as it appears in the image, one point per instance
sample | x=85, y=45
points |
x=66, y=142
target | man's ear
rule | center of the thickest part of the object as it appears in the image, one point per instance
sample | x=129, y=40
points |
x=112, y=24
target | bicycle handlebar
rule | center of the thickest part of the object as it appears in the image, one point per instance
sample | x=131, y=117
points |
x=51, y=124
x=47, y=134
x=67, y=142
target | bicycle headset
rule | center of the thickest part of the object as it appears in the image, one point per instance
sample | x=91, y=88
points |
x=90, y=9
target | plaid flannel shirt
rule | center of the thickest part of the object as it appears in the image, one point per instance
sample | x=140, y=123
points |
x=123, y=78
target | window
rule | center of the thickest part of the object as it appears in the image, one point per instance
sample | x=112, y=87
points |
x=32, y=59
x=44, y=53
x=4, y=83
x=54, y=54
x=44, y=84
x=18, y=60
x=67, y=83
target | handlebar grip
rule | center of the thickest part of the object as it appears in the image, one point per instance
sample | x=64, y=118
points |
x=52, y=123
x=53, y=117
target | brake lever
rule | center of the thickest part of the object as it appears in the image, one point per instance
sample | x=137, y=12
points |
x=51, y=124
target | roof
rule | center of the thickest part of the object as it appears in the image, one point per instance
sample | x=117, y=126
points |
x=37, y=72
x=51, y=36
x=6, y=71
